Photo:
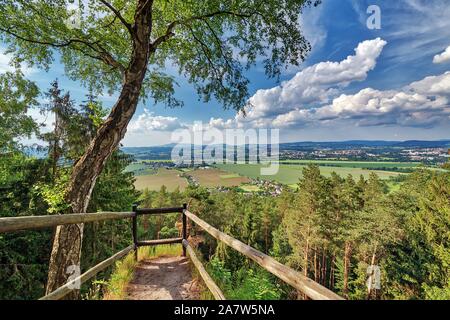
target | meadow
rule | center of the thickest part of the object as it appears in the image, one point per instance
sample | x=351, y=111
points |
x=231, y=175
x=290, y=173
x=354, y=164
x=217, y=178
x=168, y=177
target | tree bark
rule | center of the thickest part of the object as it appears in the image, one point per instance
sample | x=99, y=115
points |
x=347, y=255
x=324, y=267
x=370, y=289
x=306, y=265
x=331, y=284
x=316, y=274
x=67, y=242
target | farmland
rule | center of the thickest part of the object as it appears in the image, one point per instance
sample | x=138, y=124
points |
x=231, y=175
x=290, y=173
x=355, y=164
x=167, y=177
x=217, y=178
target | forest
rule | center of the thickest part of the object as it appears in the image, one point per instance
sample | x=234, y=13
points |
x=331, y=228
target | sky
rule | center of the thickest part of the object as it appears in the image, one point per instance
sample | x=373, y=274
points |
x=391, y=83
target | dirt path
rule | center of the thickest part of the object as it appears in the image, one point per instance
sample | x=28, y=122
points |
x=163, y=278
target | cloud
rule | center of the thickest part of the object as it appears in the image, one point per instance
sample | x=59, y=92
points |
x=423, y=103
x=311, y=98
x=148, y=122
x=432, y=85
x=313, y=86
x=371, y=107
x=443, y=57
x=310, y=21
x=5, y=65
x=417, y=29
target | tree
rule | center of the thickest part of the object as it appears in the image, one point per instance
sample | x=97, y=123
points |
x=17, y=97
x=303, y=221
x=62, y=108
x=429, y=232
x=119, y=41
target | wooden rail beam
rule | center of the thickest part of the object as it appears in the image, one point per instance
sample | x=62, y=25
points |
x=10, y=224
x=309, y=287
x=159, y=210
x=70, y=286
x=158, y=242
x=212, y=286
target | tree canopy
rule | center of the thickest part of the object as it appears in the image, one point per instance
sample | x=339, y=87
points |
x=211, y=43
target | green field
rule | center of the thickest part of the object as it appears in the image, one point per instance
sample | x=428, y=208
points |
x=140, y=169
x=250, y=188
x=217, y=178
x=230, y=175
x=289, y=174
x=354, y=164
x=167, y=177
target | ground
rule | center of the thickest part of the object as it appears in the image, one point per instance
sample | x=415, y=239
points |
x=168, y=177
x=230, y=175
x=163, y=278
x=217, y=178
x=289, y=174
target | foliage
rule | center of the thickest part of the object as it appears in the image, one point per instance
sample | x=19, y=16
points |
x=23, y=255
x=245, y=284
x=30, y=186
x=17, y=97
x=212, y=43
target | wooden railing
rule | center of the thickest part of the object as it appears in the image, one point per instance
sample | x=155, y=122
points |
x=309, y=287
x=300, y=282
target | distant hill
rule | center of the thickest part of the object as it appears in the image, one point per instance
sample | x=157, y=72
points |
x=369, y=143
x=350, y=144
x=424, y=144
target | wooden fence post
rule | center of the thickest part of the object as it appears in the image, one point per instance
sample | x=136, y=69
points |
x=135, y=240
x=184, y=227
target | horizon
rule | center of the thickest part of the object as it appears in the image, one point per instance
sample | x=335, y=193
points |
x=310, y=141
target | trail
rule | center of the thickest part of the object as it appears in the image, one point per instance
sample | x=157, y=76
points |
x=163, y=278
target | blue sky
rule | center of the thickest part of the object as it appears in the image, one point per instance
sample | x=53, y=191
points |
x=393, y=87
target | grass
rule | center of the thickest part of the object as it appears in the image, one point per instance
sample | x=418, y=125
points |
x=140, y=169
x=355, y=164
x=250, y=188
x=217, y=178
x=229, y=176
x=167, y=177
x=289, y=174
x=124, y=269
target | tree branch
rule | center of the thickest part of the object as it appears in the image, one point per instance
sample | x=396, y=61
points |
x=118, y=15
x=169, y=31
x=104, y=55
x=207, y=52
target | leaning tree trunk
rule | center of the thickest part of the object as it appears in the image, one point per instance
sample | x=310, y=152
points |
x=66, y=251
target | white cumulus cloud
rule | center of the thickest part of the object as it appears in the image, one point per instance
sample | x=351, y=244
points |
x=312, y=98
x=148, y=122
x=314, y=85
x=443, y=57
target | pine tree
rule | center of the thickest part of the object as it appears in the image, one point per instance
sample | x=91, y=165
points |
x=62, y=108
